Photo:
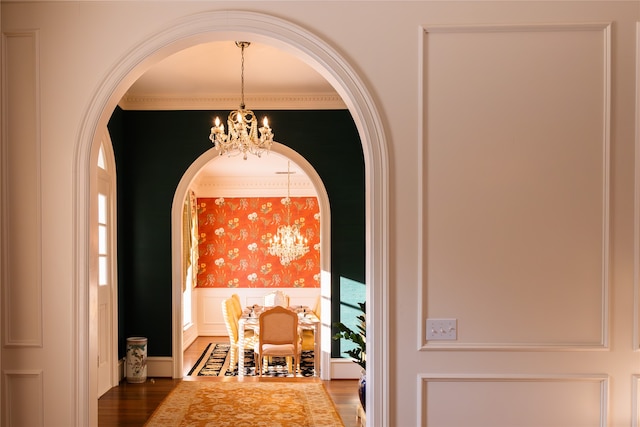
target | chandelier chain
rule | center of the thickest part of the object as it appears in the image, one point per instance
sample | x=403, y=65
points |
x=242, y=46
x=242, y=137
x=288, y=244
x=288, y=192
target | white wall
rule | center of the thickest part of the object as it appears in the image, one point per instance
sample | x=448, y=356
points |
x=210, y=320
x=511, y=131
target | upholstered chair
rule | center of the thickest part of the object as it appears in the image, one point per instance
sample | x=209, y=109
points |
x=276, y=298
x=231, y=323
x=278, y=336
x=237, y=305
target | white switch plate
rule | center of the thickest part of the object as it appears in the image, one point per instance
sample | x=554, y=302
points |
x=442, y=329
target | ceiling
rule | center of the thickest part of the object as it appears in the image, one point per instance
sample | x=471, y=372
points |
x=208, y=76
x=214, y=68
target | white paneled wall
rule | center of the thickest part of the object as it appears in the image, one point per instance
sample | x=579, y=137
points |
x=530, y=164
x=209, y=300
x=534, y=401
x=500, y=142
x=516, y=166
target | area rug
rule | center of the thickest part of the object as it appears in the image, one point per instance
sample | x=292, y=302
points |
x=244, y=404
x=214, y=362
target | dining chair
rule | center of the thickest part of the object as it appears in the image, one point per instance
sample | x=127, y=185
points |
x=231, y=323
x=278, y=336
x=276, y=298
x=307, y=336
x=316, y=306
x=237, y=305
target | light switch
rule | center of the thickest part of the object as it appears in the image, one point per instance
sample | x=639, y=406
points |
x=442, y=329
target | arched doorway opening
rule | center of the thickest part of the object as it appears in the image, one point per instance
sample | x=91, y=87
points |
x=234, y=25
x=325, y=251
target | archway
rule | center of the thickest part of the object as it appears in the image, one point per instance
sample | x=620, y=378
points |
x=234, y=25
x=176, y=249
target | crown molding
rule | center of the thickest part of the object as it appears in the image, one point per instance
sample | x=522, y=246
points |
x=251, y=186
x=309, y=101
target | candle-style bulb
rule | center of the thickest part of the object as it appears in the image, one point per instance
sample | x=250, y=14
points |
x=265, y=122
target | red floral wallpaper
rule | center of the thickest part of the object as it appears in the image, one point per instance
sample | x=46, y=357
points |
x=234, y=234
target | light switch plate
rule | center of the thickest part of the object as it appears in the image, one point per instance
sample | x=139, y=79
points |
x=442, y=329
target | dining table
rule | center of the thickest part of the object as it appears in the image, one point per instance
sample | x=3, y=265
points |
x=307, y=319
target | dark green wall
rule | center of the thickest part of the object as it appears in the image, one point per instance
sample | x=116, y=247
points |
x=153, y=149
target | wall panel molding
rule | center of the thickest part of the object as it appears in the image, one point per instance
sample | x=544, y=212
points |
x=593, y=42
x=635, y=399
x=23, y=398
x=21, y=191
x=589, y=385
x=636, y=207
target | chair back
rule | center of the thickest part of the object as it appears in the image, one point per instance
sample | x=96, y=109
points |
x=317, y=307
x=237, y=306
x=276, y=298
x=230, y=320
x=279, y=325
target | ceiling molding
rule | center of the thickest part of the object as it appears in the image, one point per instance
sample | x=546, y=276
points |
x=309, y=101
x=251, y=186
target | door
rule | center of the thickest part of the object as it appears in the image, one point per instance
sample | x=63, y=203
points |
x=104, y=247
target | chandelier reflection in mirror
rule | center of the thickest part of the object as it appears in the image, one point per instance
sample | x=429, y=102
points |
x=288, y=244
x=243, y=127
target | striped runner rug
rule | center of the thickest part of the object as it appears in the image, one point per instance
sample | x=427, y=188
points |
x=214, y=362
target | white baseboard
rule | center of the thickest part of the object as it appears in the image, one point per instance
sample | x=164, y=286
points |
x=342, y=369
x=160, y=367
x=157, y=367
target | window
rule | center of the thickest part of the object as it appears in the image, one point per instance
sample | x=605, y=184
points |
x=103, y=246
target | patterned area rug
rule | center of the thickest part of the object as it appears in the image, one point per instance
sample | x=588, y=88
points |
x=214, y=362
x=244, y=404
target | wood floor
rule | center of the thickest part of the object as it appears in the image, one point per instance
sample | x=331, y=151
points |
x=132, y=404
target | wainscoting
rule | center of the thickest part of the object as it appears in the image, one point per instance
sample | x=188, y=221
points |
x=208, y=302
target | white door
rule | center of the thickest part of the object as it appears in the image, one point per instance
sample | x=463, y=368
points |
x=104, y=248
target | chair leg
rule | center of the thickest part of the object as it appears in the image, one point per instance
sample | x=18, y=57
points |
x=233, y=357
x=257, y=362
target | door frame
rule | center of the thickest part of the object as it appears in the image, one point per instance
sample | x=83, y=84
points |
x=108, y=177
x=234, y=25
x=177, y=265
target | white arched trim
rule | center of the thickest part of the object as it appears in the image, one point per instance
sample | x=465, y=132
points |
x=236, y=25
x=325, y=251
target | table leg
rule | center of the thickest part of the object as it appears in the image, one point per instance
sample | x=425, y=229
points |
x=316, y=349
x=241, y=348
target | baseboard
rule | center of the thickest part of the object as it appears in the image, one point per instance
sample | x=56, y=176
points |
x=342, y=369
x=160, y=367
x=157, y=367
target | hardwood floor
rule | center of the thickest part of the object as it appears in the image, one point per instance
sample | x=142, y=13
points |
x=132, y=404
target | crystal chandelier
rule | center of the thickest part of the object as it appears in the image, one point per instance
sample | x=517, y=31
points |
x=243, y=128
x=288, y=244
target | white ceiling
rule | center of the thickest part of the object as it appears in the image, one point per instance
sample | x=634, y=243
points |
x=211, y=69
x=208, y=76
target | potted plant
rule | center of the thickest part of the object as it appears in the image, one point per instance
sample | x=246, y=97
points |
x=359, y=353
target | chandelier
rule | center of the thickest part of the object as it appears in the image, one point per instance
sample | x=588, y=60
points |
x=288, y=244
x=243, y=128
